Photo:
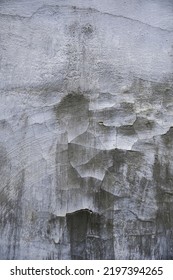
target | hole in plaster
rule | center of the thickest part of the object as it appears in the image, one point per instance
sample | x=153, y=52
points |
x=84, y=230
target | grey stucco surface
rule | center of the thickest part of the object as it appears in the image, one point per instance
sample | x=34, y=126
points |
x=86, y=129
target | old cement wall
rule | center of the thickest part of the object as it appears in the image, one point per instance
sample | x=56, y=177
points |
x=86, y=129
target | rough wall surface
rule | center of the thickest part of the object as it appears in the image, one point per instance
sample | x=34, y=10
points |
x=86, y=129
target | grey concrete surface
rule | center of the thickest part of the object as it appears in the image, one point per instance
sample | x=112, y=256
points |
x=86, y=129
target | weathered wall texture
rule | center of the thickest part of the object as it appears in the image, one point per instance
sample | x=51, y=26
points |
x=86, y=129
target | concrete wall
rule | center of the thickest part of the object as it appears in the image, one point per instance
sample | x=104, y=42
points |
x=86, y=129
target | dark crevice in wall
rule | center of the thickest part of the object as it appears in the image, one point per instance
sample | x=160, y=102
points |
x=86, y=231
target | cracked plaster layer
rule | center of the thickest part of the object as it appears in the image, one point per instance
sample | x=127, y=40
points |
x=86, y=129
